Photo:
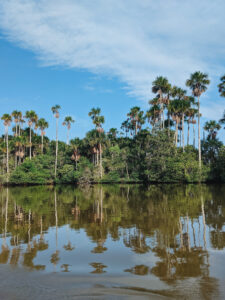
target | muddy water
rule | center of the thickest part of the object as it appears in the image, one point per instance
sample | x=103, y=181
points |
x=112, y=242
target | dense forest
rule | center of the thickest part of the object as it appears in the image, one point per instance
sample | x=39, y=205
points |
x=151, y=146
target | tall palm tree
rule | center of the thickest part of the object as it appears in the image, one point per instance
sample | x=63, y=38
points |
x=98, y=120
x=67, y=122
x=221, y=86
x=7, y=121
x=17, y=115
x=161, y=87
x=32, y=118
x=55, y=111
x=198, y=83
x=42, y=124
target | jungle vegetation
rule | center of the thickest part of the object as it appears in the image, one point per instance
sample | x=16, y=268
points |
x=150, y=146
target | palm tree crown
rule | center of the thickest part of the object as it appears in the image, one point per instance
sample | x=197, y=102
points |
x=55, y=109
x=221, y=86
x=198, y=82
x=7, y=119
x=31, y=116
x=68, y=121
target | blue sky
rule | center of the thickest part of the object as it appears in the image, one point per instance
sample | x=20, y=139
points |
x=83, y=54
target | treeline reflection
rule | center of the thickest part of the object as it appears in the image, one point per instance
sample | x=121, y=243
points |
x=178, y=224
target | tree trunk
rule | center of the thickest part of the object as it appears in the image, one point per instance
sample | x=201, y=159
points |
x=16, y=129
x=7, y=151
x=194, y=135
x=176, y=140
x=183, y=131
x=199, y=135
x=56, y=148
x=67, y=139
x=42, y=142
x=188, y=133
x=135, y=128
x=19, y=129
x=30, y=142
x=100, y=158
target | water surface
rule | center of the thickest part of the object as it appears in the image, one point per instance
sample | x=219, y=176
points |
x=112, y=242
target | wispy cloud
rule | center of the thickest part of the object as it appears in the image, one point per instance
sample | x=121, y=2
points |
x=132, y=40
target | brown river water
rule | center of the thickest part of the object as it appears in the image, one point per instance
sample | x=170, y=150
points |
x=112, y=242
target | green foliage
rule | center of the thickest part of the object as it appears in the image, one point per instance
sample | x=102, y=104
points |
x=35, y=171
x=83, y=174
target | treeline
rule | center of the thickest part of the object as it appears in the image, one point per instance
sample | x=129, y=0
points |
x=152, y=146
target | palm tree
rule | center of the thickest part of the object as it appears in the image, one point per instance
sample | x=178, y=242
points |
x=183, y=104
x=198, y=83
x=67, y=122
x=7, y=121
x=212, y=127
x=75, y=144
x=32, y=118
x=221, y=86
x=161, y=86
x=153, y=114
x=136, y=116
x=21, y=122
x=55, y=110
x=98, y=121
x=175, y=108
x=17, y=115
x=42, y=124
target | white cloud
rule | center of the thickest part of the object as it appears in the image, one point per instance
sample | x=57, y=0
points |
x=131, y=39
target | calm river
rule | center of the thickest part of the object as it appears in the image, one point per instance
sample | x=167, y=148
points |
x=112, y=242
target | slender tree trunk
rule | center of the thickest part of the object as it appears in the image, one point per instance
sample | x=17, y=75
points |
x=176, y=134
x=135, y=128
x=188, y=133
x=194, y=135
x=127, y=171
x=67, y=139
x=100, y=158
x=19, y=129
x=180, y=138
x=42, y=142
x=199, y=135
x=16, y=130
x=183, y=131
x=7, y=151
x=30, y=142
x=56, y=148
